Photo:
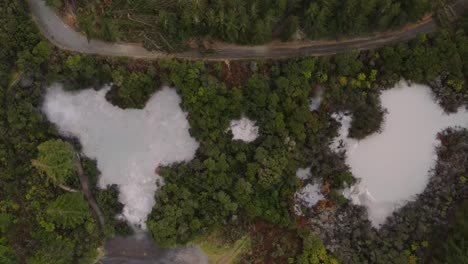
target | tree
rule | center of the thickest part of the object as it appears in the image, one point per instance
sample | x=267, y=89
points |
x=415, y=8
x=292, y=26
x=315, y=20
x=56, y=4
x=82, y=70
x=53, y=251
x=243, y=191
x=348, y=64
x=388, y=12
x=454, y=249
x=322, y=77
x=24, y=196
x=135, y=89
x=7, y=254
x=5, y=222
x=68, y=210
x=313, y=250
x=109, y=31
x=56, y=160
x=392, y=60
x=262, y=32
x=30, y=62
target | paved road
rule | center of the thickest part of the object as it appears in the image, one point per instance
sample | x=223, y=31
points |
x=66, y=38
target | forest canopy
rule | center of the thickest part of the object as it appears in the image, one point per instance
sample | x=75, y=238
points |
x=44, y=217
x=168, y=24
x=229, y=184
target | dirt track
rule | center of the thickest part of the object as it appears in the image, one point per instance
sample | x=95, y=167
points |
x=66, y=38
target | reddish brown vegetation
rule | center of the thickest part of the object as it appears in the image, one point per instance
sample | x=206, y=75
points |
x=235, y=73
x=271, y=244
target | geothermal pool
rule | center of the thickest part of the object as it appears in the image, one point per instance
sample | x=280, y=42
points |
x=394, y=166
x=244, y=129
x=128, y=144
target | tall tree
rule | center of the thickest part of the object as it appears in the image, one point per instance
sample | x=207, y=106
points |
x=68, y=210
x=56, y=161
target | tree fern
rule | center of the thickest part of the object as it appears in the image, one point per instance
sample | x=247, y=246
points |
x=55, y=160
x=68, y=210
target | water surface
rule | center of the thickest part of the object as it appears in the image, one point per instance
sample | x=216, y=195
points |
x=129, y=145
x=394, y=166
x=244, y=129
x=140, y=249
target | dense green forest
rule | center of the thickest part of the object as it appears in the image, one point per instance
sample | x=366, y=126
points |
x=171, y=24
x=453, y=249
x=231, y=185
x=34, y=203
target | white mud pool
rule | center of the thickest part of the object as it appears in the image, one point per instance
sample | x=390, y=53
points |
x=395, y=165
x=316, y=101
x=129, y=145
x=310, y=194
x=244, y=129
x=303, y=173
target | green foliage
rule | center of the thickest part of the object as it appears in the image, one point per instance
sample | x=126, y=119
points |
x=454, y=249
x=7, y=255
x=134, y=88
x=68, y=210
x=325, y=18
x=109, y=30
x=110, y=206
x=55, y=4
x=348, y=64
x=227, y=180
x=27, y=233
x=56, y=251
x=337, y=198
x=56, y=160
x=221, y=251
x=169, y=25
x=322, y=77
x=425, y=244
x=313, y=250
x=368, y=116
x=82, y=71
x=256, y=180
x=343, y=180
x=31, y=62
x=5, y=222
x=373, y=75
x=292, y=26
x=80, y=68
x=462, y=179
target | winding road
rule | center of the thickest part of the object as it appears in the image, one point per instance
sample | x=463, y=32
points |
x=64, y=37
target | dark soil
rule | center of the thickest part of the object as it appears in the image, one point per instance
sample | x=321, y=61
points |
x=271, y=244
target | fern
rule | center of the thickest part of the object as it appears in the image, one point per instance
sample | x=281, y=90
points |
x=69, y=210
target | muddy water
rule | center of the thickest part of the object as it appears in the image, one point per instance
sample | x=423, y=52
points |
x=140, y=249
x=128, y=144
x=394, y=166
x=244, y=129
